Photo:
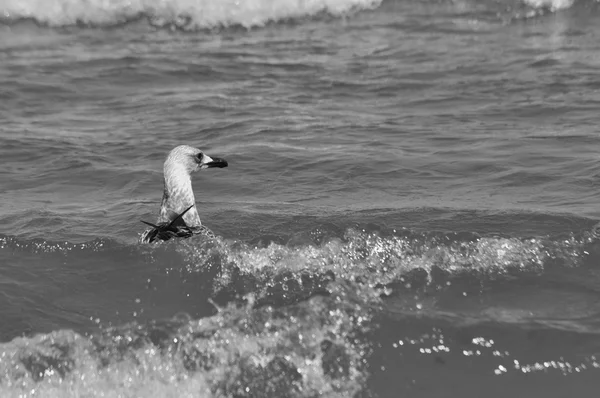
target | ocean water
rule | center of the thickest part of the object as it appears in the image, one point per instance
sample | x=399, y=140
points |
x=409, y=210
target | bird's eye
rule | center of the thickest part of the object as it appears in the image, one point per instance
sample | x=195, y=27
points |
x=200, y=156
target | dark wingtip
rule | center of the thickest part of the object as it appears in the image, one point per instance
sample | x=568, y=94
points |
x=150, y=224
x=180, y=215
x=166, y=231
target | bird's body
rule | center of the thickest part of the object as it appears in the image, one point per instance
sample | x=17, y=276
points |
x=178, y=216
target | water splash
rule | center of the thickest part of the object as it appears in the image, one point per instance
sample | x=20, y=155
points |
x=374, y=259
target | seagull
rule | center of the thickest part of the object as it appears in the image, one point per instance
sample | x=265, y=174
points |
x=178, y=216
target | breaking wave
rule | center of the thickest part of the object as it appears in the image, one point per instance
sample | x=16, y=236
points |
x=291, y=319
x=181, y=14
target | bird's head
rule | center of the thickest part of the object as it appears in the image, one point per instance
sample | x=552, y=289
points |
x=191, y=159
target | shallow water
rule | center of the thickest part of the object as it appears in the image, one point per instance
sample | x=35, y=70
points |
x=409, y=206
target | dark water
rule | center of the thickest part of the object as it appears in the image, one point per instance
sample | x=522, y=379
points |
x=409, y=206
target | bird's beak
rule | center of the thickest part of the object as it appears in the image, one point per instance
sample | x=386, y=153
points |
x=208, y=162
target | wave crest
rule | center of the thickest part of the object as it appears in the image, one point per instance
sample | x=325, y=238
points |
x=181, y=14
x=369, y=261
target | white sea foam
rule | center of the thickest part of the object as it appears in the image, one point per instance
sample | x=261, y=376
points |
x=187, y=14
x=553, y=5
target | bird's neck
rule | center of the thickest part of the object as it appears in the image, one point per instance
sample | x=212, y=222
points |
x=178, y=196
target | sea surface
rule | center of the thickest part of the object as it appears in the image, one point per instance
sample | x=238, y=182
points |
x=409, y=210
